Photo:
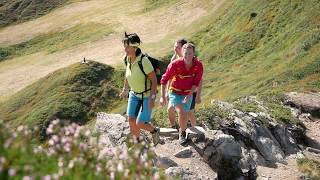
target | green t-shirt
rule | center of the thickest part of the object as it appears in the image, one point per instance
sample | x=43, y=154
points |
x=135, y=76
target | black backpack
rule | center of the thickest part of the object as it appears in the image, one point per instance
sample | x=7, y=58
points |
x=155, y=64
x=156, y=68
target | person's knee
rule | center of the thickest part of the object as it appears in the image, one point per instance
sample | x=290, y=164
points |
x=170, y=109
x=180, y=110
x=190, y=113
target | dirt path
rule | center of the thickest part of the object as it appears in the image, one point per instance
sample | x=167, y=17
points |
x=202, y=170
x=281, y=172
x=153, y=27
x=195, y=164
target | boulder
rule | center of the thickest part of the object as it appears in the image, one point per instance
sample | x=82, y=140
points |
x=165, y=162
x=306, y=102
x=267, y=145
x=169, y=132
x=285, y=139
x=178, y=172
x=196, y=134
x=184, y=153
x=223, y=154
x=114, y=129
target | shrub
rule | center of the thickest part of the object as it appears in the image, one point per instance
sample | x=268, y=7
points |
x=71, y=152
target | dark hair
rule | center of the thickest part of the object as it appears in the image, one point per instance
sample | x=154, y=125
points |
x=131, y=38
x=182, y=41
x=189, y=45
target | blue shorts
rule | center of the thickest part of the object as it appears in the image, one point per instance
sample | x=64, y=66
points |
x=177, y=99
x=134, y=108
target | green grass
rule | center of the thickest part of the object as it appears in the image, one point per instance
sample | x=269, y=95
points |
x=58, y=41
x=18, y=11
x=21, y=157
x=309, y=167
x=275, y=51
x=155, y=4
x=74, y=93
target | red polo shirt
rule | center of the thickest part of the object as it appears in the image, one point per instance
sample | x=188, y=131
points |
x=182, y=78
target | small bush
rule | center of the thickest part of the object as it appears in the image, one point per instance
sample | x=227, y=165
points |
x=246, y=107
x=74, y=93
x=160, y=117
x=309, y=167
x=71, y=152
x=273, y=102
x=211, y=114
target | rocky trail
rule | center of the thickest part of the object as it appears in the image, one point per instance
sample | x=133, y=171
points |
x=239, y=149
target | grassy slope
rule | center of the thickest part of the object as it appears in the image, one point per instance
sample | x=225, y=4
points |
x=74, y=93
x=274, y=51
x=278, y=50
x=17, y=11
x=30, y=45
x=58, y=41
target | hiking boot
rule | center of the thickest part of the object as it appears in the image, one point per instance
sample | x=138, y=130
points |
x=156, y=136
x=189, y=124
x=175, y=126
x=182, y=138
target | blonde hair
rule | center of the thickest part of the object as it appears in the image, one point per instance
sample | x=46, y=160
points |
x=189, y=45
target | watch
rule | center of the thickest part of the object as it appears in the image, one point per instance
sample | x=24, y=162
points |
x=153, y=96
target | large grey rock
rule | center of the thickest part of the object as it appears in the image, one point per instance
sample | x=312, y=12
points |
x=169, y=132
x=178, y=172
x=223, y=155
x=306, y=102
x=248, y=162
x=246, y=128
x=184, y=153
x=165, y=162
x=261, y=137
x=196, y=134
x=267, y=145
x=210, y=134
x=286, y=141
x=114, y=129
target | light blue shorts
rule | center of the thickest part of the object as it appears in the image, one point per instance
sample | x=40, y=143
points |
x=177, y=99
x=135, y=110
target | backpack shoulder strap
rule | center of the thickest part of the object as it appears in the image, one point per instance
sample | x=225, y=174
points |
x=141, y=66
x=125, y=61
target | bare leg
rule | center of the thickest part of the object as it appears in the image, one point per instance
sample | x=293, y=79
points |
x=171, y=115
x=182, y=117
x=192, y=118
x=135, y=130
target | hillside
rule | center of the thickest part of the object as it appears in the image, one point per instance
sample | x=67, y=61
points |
x=94, y=29
x=262, y=46
x=17, y=11
x=73, y=93
x=254, y=51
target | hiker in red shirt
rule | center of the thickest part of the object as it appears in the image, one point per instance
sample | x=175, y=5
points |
x=185, y=74
x=177, y=54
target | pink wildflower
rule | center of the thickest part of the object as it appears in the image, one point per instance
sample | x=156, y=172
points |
x=12, y=172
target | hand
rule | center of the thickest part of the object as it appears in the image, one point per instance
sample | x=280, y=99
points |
x=186, y=98
x=124, y=94
x=163, y=101
x=167, y=96
x=151, y=103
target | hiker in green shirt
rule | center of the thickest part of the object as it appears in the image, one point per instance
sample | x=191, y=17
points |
x=141, y=78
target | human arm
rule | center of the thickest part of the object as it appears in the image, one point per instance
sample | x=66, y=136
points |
x=163, y=98
x=125, y=90
x=198, y=97
x=153, y=78
x=166, y=77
